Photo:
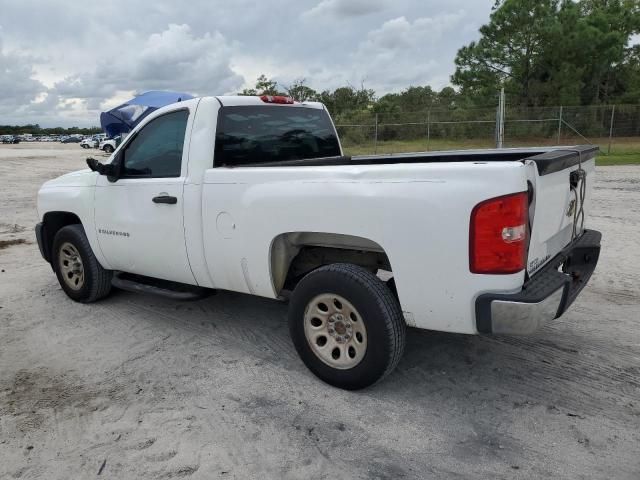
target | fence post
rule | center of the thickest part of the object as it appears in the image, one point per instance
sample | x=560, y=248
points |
x=375, y=139
x=500, y=120
x=613, y=111
x=428, y=128
x=559, y=125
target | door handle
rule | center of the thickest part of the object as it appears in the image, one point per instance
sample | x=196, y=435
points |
x=165, y=199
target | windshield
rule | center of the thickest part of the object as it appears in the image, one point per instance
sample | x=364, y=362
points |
x=269, y=133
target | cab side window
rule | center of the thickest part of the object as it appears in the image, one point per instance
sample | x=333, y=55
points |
x=156, y=150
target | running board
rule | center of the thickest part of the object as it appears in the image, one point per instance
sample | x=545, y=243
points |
x=156, y=286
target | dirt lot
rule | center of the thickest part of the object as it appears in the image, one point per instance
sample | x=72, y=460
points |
x=142, y=387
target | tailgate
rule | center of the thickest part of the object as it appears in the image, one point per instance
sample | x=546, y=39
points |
x=561, y=200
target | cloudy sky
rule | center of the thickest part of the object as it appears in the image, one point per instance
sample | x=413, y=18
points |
x=62, y=62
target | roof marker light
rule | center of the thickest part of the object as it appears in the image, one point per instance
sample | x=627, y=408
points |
x=281, y=99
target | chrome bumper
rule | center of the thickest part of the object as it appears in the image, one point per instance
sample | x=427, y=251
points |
x=546, y=295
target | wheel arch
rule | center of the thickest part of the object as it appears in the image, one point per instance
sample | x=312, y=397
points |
x=52, y=222
x=294, y=254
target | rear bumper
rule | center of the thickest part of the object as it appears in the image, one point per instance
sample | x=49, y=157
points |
x=546, y=295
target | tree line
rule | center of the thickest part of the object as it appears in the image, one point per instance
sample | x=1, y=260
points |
x=555, y=52
x=38, y=131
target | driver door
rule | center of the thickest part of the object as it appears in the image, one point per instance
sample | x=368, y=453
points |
x=139, y=218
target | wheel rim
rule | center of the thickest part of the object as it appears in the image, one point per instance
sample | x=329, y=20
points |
x=71, y=266
x=335, y=331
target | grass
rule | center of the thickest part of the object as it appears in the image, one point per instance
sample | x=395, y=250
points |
x=624, y=151
x=629, y=158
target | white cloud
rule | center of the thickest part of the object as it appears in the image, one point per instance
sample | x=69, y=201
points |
x=18, y=87
x=402, y=53
x=345, y=8
x=173, y=59
x=67, y=63
x=401, y=33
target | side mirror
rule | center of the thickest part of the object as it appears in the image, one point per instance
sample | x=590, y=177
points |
x=111, y=170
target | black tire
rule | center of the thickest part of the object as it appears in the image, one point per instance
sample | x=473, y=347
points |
x=97, y=280
x=391, y=285
x=380, y=312
x=108, y=149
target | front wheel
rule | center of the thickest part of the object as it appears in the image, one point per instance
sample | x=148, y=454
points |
x=346, y=325
x=108, y=149
x=80, y=275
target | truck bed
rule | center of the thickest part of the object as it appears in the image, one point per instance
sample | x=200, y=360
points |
x=548, y=160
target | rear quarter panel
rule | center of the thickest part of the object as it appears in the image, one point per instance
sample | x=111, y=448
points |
x=419, y=214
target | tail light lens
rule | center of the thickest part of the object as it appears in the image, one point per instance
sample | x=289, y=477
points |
x=281, y=99
x=499, y=235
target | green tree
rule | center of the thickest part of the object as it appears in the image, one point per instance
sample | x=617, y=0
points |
x=264, y=86
x=627, y=83
x=347, y=100
x=412, y=99
x=551, y=52
x=508, y=51
x=300, y=92
x=36, y=130
x=606, y=28
x=449, y=98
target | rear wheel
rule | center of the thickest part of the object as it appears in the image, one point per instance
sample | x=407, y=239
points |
x=108, y=149
x=80, y=275
x=346, y=326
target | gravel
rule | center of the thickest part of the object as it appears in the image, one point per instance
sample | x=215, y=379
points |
x=142, y=387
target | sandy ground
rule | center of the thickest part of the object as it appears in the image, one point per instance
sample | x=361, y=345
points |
x=142, y=387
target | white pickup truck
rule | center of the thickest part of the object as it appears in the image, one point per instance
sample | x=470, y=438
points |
x=254, y=195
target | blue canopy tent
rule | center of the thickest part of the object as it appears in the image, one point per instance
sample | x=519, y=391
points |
x=125, y=117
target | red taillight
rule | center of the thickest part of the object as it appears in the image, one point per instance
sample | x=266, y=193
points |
x=277, y=99
x=498, y=235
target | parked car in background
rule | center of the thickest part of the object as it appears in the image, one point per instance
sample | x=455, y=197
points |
x=91, y=142
x=10, y=139
x=71, y=139
x=110, y=144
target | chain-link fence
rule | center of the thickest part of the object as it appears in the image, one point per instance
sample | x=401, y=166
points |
x=614, y=128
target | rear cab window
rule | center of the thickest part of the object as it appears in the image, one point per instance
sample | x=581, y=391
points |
x=262, y=134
